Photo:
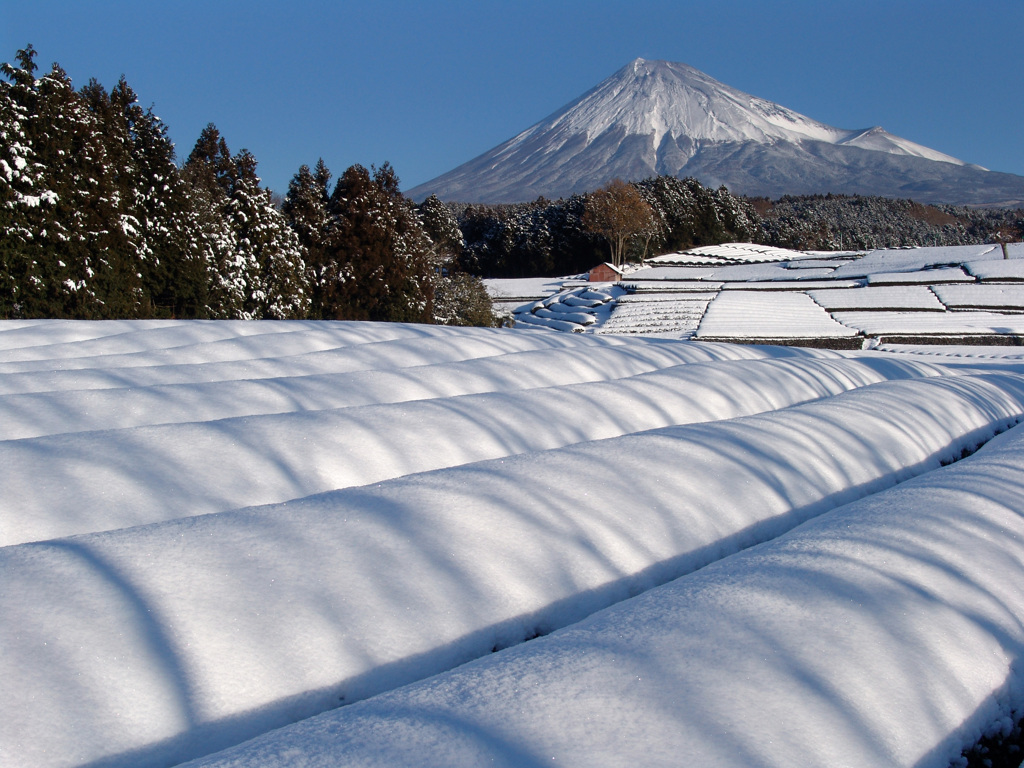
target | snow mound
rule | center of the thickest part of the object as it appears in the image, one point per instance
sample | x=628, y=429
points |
x=214, y=530
x=874, y=635
x=197, y=633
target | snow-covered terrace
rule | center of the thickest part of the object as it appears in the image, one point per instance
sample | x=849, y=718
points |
x=899, y=282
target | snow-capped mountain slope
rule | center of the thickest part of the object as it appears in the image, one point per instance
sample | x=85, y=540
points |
x=880, y=140
x=657, y=117
x=665, y=100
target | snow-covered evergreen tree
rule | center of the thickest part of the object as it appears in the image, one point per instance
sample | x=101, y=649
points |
x=266, y=248
x=381, y=250
x=86, y=267
x=442, y=228
x=459, y=298
x=305, y=207
x=26, y=202
x=234, y=271
x=156, y=211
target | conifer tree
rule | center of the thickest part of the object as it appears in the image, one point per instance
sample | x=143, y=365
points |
x=212, y=156
x=26, y=202
x=209, y=240
x=106, y=185
x=305, y=207
x=79, y=252
x=443, y=230
x=381, y=250
x=256, y=261
x=155, y=211
x=234, y=274
x=458, y=297
x=274, y=269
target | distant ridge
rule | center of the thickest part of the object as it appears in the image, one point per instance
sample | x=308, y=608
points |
x=658, y=117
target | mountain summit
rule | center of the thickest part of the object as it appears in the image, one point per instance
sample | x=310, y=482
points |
x=659, y=117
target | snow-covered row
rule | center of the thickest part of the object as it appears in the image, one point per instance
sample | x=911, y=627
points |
x=151, y=645
x=730, y=272
x=959, y=355
x=748, y=252
x=909, y=297
x=572, y=310
x=756, y=314
x=20, y=334
x=404, y=355
x=982, y=296
x=792, y=285
x=933, y=323
x=565, y=313
x=1007, y=269
x=78, y=482
x=125, y=343
x=532, y=320
x=887, y=633
x=915, y=259
x=112, y=398
x=924, y=277
x=297, y=347
x=675, y=314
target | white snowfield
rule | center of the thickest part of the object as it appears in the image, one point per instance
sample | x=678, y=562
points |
x=946, y=323
x=895, y=297
x=915, y=259
x=756, y=314
x=881, y=634
x=271, y=440
x=430, y=495
x=982, y=296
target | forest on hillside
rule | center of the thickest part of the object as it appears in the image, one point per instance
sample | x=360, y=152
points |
x=99, y=218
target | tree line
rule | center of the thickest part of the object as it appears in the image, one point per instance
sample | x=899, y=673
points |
x=621, y=222
x=569, y=236
x=98, y=221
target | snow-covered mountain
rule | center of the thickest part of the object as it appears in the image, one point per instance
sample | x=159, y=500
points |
x=658, y=117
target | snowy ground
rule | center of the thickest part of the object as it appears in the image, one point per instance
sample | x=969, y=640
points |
x=796, y=286
x=736, y=555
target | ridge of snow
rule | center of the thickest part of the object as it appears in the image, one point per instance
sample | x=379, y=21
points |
x=147, y=645
x=886, y=632
x=152, y=645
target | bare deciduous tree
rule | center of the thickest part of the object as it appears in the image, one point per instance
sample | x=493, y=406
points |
x=617, y=213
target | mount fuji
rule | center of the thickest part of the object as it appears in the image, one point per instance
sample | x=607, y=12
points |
x=663, y=118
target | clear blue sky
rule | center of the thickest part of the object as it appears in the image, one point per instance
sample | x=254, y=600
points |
x=429, y=85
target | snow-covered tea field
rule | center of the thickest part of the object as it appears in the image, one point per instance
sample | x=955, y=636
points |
x=323, y=544
x=958, y=294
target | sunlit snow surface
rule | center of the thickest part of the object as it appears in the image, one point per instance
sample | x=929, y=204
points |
x=663, y=297
x=428, y=496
